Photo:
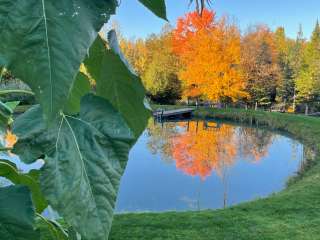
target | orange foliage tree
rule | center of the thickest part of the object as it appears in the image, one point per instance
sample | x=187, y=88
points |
x=209, y=50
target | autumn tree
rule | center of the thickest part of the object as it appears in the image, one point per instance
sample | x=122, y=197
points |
x=308, y=80
x=209, y=50
x=285, y=85
x=259, y=64
x=296, y=60
x=153, y=59
x=161, y=75
x=136, y=53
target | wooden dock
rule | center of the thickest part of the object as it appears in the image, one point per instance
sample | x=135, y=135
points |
x=176, y=113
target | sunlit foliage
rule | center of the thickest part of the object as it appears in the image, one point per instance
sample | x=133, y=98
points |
x=209, y=50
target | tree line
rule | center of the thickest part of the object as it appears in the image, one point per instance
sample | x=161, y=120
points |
x=207, y=59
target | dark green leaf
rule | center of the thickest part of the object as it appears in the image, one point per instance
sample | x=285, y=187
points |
x=9, y=171
x=17, y=214
x=85, y=159
x=117, y=83
x=43, y=43
x=158, y=7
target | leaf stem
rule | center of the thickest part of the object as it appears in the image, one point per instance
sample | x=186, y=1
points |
x=3, y=92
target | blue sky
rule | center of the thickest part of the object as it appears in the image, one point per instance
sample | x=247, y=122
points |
x=136, y=21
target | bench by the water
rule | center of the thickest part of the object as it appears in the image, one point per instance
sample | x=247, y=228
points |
x=176, y=113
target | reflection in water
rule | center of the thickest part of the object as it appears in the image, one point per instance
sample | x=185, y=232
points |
x=200, y=165
x=200, y=147
x=196, y=165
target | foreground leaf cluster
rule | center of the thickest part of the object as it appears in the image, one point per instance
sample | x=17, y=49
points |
x=84, y=126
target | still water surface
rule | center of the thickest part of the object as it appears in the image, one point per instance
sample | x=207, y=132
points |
x=205, y=165
x=196, y=165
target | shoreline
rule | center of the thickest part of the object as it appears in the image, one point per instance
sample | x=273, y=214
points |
x=290, y=214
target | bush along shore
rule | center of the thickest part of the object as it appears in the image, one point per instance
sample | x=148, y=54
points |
x=293, y=213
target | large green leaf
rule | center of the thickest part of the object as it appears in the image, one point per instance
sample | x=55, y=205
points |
x=85, y=158
x=9, y=171
x=158, y=7
x=43, y=43
x=16, y=214
x=116, y=81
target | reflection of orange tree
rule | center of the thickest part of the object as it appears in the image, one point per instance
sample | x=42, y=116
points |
x=200, y=150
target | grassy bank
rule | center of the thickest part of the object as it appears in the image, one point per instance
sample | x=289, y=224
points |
x=291, y=214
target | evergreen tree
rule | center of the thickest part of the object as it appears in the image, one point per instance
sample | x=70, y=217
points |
x=308, y=80
x=296, y=60
x=285, y=88
x=314, y=58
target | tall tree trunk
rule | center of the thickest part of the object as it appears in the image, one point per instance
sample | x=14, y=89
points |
x=294, y=102
x=307, y=109
x=256, y=106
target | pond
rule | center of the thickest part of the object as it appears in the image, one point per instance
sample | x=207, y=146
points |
x=197, y=165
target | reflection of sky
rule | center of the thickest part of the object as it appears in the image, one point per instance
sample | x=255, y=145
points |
x=150, y=184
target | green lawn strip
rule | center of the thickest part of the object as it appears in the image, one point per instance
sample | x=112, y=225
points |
x=291, y=214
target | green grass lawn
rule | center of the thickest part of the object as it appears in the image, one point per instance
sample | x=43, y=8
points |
x=291, y=214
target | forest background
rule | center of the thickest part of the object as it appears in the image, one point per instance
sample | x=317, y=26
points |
x=208, y=60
